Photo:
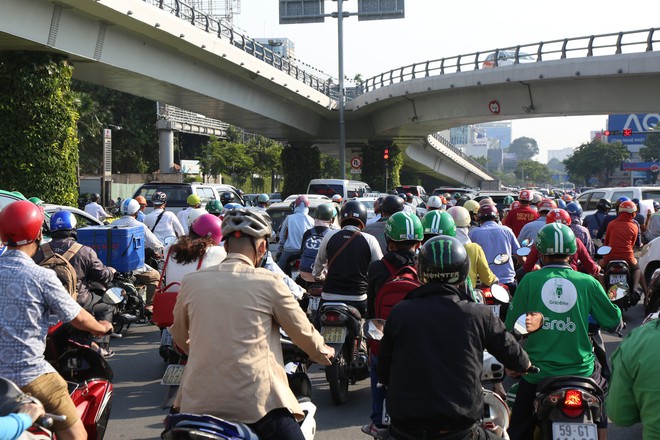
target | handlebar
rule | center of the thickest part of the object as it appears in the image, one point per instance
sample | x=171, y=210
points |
x=533, y=369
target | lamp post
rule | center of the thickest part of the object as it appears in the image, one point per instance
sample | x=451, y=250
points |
x=106, y=188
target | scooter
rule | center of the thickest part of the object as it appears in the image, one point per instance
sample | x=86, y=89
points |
x=127, y=298
x=341, y=328
x=495, y=297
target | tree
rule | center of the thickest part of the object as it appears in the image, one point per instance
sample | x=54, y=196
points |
x=532, y=171
x=650, y=152
x=556, y=165
x=90, y=126
x=595, y=159
x=300, y=164
x=38, y=125
x=226, y=158
x=481, y=160
x=525, y=148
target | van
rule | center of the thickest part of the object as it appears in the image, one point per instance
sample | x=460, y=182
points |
x=415, y=190
x=589, y=199
x=345, y=188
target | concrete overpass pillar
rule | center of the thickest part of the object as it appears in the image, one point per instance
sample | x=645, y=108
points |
x=166, y=150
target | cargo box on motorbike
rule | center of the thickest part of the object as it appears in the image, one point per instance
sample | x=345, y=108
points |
x=121, y=247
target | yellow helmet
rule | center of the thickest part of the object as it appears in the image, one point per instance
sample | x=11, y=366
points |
x=472, y=206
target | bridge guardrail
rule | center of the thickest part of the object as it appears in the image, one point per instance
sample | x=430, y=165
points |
x=453, y=148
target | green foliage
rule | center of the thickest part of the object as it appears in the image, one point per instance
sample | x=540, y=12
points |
x=481, y=160
x=650, y=152
x=556, y=165
x=524, y=147
x=38, y=125
x=595, y=159
x=329, y=167
x=533, y=171
x=507, y=179
x=226, y=158
x=300, y=164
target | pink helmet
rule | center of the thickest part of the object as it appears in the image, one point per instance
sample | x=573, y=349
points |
x=208, y=225
x=301, y=200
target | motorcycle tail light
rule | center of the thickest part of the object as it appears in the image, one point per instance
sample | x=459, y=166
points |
x=573, y=403
x=296, y=264
x=332, y=317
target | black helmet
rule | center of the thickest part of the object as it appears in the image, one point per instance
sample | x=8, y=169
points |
x=442, y=259
x=391, y=204
x=95, y=197
x=226, y=197
x=604, y=205
x=353, y=212
x=159, y=198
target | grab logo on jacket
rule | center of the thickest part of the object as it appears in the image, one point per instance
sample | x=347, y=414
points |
x=559, y=295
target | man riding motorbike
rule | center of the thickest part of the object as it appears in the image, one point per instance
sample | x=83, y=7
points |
x=293, y=228
x=164, y=224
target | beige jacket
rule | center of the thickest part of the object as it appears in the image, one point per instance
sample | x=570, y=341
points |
x=232, y=313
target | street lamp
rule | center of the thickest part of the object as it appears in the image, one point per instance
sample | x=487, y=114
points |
x=106, y=188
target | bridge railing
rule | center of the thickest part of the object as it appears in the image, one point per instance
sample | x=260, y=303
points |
x=223, y=31
x=580, y=47
x=453, y=148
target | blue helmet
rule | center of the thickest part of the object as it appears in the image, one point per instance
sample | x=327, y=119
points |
x=561, y=204
x=574, y=209
x=62, y=220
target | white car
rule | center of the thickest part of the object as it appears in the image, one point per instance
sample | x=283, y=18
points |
x=507, y=58
x=649, y=259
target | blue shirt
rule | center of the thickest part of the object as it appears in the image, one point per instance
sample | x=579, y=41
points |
x=13, y=425
x=496, y=239
x=140, y=216
x=29, y=294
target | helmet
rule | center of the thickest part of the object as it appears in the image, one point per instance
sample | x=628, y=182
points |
x=442, y=259
x=457, y=195
x=536, y=198
x=604, y=205
x=434, y=202
x=263, y=198
x=460, y=215
x=656, y=205
x=325, y=212
x=515, y=205
x=129, y=207
x=300, y=200
x=558, y=215
x=556, y=239
x=95, y=197
x=620, y=200
x=446, y=196
x=226, y=197
x=439, y=223
x=402, y=196
x=508, y=200
x=193, y=200
x=141, y=200
x=20, y=222
x=62, y=220
x=252, y=222
x=208, y=225
x=391, y=204
x=574, y=209
x=409, y=197
x=567, y=198
x=194, y=214
x=486, y=201
x=353, y=210
x=561, y=204
x=487, y=212
x=159, y=198
x=337, y=198
x=214, y=207
x=472, y=206
x=525, y=195
x=230, y=206
x=628, y=206
x=404, y=226
x=36, y=200
x=546, y=205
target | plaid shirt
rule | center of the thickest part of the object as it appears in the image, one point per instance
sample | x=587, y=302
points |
x=29, y=294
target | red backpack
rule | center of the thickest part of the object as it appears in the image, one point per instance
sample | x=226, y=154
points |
x=394, y=289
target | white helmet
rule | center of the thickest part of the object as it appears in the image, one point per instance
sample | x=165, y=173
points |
x=460, y=215
x=434, y=202
x=192, y=215
x=250, y=222
x=129, y=207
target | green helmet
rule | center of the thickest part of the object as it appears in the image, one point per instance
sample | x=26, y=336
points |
x=556, y=239
x=439, y=223
x=36, y=200
x=214, y=207
x=404, y=226
x=326, y=212
x=508, y=200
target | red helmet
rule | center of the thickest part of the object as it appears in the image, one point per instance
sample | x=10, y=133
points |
x=546, y=205
x=525, y=195
x=628, y=206
x=487, y=212
x=558, y=215
x=20, y=223
x=567, y=198
x=301, y=200
x=515, y=205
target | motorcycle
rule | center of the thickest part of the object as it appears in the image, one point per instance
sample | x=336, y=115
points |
x=618, y=281
x=495, y=297
x=341, y=328
x=128, y=298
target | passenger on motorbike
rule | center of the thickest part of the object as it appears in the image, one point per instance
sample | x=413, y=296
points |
x=262, y=201
x=581, y=233
x=194, y=203
x=530, y=230
x=377, y=212
x=311, y=239
x=473, y=208
x=29, y=295
x=594, y=221
x=389, y=206
x=435, y=203
x=612, y=217
x=143, y=205
x=293, y=228
x=95, y=210
x=519, y=217
x=566, y=298
x=345, y=278
x=214, y=207
x=226, y=318
x=445, y=336
x=164, y=224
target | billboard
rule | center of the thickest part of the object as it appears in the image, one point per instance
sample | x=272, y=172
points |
x=636, y=122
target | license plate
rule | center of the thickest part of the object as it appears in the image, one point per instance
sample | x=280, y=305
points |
x=334, y=335
x=495, y=309
x=574, y=431
x=618, y=278
x=166, y=338
x=314, y=303
x=173, y=375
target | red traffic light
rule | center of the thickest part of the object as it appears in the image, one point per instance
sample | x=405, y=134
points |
x=611, y=132
x=386, y=153
x=627, y=132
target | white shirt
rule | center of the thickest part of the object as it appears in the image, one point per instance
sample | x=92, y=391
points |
x=96, y=210
x=374, y=219
x=150, y=239
x=175, y=271
x=167, y=228
x=182, y=216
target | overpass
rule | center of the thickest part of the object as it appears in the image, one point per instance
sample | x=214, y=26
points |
x=165, y=51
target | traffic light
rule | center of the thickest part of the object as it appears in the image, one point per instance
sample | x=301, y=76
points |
x=611, y=132
x=627, y=132
x=386, y=154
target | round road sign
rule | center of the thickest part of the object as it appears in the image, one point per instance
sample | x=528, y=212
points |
x=356, y=162
x=655, y=168
x=494, y=107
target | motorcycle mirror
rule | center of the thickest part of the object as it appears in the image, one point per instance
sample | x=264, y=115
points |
x=604, y=250
x=501, y=259
x=527, y=242
x=527, y=323
x=651, y=317
x=500, y=293
x=617, y=291
x=114, y=295
x=524, y=251
x=479, y=297
x=373, y=329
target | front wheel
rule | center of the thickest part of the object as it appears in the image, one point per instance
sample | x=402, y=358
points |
x=337, y=375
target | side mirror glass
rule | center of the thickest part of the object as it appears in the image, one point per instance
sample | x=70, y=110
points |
x=527, y=323
x=526, y=242
x=114, y=295
x=501, y=259
x=524, y=251
x=604, y=250
x=617, y=291
x=500, y=293
x=373, y=329
x=651, y=317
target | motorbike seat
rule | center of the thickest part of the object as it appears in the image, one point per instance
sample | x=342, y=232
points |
x=210, y=425
x=557, y=382
x=350, y=309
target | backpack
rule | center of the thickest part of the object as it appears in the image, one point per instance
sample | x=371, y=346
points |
x=311, y=247
x=62, y=267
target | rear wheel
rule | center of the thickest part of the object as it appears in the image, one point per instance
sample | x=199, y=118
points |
x=337, y=375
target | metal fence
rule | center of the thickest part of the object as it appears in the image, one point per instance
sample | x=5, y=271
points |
x=453, y=148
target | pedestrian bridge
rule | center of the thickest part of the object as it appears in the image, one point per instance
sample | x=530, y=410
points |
x=166, y=51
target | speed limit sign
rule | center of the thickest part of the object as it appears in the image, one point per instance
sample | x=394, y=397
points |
x=356, y=163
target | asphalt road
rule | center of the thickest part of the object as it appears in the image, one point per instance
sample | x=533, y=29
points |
x=138, y=396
